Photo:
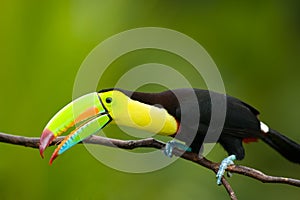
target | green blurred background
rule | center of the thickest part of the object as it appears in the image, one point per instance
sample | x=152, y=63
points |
x=255, y=44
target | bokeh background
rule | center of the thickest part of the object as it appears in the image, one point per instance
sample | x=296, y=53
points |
x=255, y=44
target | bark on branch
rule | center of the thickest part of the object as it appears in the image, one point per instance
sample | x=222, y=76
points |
x=153, y=143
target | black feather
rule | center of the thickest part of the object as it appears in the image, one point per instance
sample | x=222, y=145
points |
x=285, y=146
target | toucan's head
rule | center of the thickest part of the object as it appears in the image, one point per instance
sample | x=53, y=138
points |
x=90, y=113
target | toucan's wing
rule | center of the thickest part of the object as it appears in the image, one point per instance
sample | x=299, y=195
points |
x=240, y=117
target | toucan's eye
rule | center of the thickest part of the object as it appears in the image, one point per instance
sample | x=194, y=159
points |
x=108, y=100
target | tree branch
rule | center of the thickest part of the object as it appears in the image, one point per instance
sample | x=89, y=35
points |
x=153, y=143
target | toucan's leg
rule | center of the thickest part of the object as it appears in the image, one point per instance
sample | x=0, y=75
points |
x=168, y=151
x=223, y=166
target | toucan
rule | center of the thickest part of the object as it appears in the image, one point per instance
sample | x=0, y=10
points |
x=186, y=114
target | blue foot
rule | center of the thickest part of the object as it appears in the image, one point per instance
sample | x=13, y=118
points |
x=168, y=151
x=223, y=166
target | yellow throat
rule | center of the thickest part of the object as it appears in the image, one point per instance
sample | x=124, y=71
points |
x=131, y=113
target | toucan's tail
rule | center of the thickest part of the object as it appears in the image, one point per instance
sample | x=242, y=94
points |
x=285, y=146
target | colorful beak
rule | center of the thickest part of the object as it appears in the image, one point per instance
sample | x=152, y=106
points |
x=81, y=118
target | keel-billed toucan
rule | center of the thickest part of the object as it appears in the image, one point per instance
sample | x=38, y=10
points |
x=164, y=114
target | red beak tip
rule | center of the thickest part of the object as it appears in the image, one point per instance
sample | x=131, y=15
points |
x=42, y=147
x=42, y=155
x=46, y=138
x=53, y=157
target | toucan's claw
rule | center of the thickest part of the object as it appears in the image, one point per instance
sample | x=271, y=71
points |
x=168, y=151
x=223, y=166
